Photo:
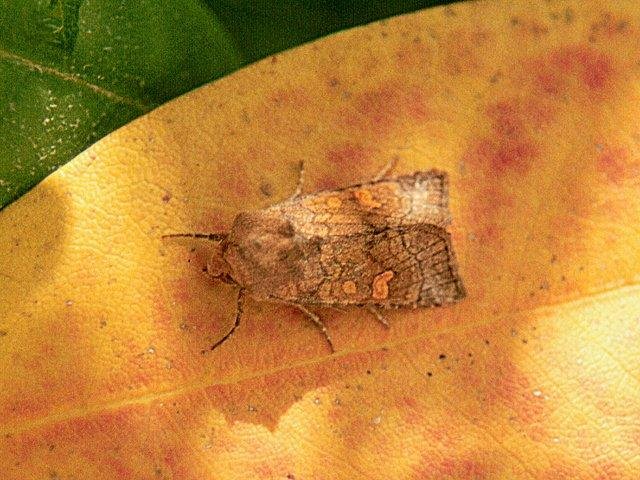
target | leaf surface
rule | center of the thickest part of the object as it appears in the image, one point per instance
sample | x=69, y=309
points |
x=531, y=109
x=72, y=71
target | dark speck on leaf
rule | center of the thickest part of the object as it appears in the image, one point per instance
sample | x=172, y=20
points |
x=568, y=15
x=266, y=189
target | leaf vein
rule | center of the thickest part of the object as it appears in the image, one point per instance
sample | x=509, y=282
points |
x=75, y=79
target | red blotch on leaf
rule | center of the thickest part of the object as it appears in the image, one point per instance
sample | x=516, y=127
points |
x=509, y=145
x=233, y=179
x=593, y=69
x=349, y=155
x=417, y=105
x=433, y=467
x=613, y=161
x=375, y=111
x=515, y=392
x=410, y=411
x=378, y=111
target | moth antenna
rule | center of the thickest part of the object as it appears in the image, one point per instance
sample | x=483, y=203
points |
x=214, y=237
x=300, y=184
x=389, y=166
x=237, y=322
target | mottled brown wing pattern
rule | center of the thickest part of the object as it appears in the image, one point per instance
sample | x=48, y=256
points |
x=397, y=267
x=380, y=244
x=407, y=200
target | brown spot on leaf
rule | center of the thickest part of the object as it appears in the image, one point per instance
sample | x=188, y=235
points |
x=266, y=189
x=608, y=26
x=286, y=230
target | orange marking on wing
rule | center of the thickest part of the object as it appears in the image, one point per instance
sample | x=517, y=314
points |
x=381, y=286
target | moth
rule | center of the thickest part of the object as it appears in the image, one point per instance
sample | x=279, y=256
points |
x=378, y=245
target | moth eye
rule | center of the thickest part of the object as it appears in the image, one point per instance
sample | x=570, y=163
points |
x=256, y=244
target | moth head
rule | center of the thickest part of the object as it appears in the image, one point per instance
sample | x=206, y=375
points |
x=261, y=243
x=216, y=267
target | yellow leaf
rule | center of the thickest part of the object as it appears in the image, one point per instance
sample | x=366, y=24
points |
x=531, y=107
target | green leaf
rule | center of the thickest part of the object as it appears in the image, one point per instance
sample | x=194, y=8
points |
x=264, y=27
x=72, y=71
x=70, y=12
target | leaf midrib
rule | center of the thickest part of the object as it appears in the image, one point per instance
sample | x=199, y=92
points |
x=75, y=79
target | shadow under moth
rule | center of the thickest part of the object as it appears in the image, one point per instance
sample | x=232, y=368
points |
x=378, y=245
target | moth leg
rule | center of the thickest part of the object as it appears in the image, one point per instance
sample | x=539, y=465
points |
x=214, y=237
x=391, y=164
x=318, y=322
x=300, y=184
x=239, y=306
x=376, y=313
